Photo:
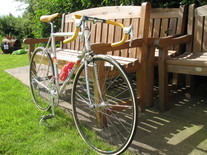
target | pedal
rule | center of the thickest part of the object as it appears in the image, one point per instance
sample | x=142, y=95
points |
x=45, y=117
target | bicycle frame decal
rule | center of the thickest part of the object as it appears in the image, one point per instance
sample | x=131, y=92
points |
x=55, y=61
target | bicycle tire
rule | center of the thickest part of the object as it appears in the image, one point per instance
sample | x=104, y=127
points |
x=109, y=129
x=40, y=75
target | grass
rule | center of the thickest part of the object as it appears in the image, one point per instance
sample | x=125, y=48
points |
x=20, y=132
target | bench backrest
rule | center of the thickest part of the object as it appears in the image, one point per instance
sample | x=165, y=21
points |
x=197, y=26
x=108, y=33
x=163, y=22
x=167, y=21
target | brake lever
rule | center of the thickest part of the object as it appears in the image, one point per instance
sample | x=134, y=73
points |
x=83, y=31
x=131, y=33
x=129, y=30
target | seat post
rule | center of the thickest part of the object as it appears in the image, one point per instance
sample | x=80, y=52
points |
x=53, y=39
x=52, y=27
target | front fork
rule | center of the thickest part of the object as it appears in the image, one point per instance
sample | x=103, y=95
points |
x=89, y=58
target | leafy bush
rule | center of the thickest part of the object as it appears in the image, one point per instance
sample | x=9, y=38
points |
x=18, y=27
x=30, y=26
x=19, y=52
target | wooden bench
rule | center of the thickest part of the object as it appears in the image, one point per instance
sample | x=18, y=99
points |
x=168, y=22
x=103, y=34
x=139, y=57
x=193, y=60
x=164, y=23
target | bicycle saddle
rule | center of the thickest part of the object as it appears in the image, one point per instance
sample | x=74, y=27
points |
x=49, y=18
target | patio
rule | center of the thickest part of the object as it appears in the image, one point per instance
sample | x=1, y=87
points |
x=181, y=130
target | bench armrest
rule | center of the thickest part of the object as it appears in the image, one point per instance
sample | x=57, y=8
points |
x=32, y=41
x=101, y=48
x=169, y=41
x=42, y=40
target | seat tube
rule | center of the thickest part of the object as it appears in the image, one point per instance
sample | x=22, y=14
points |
x=54, y=56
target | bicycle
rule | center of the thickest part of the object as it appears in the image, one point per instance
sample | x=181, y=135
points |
x=103, y=101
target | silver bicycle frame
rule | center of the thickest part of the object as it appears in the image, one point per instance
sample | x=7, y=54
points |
x=87, y=49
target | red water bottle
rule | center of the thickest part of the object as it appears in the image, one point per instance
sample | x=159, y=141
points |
x=65, y=70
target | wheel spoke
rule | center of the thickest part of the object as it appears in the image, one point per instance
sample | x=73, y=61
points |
x=108, y=128
x=41, y=79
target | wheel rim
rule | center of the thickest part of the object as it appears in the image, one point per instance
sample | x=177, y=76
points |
x=118, y=118
x=41, y=79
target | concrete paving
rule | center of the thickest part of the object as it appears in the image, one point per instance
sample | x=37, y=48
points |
x=181, y=130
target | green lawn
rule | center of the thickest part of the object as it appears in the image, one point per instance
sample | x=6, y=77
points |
x=20, y=132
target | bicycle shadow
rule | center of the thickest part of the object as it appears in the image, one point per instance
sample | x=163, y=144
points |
x=181, y=130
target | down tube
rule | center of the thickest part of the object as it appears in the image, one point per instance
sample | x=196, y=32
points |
x=67, y=81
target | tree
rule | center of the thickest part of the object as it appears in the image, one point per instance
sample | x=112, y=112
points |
x=42, y=7
x=36, y=8
x=17, y=27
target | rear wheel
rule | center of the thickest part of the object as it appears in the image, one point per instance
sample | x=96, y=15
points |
x=109, y=125
x=41, y=75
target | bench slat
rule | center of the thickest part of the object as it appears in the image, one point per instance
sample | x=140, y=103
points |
x=109, y=12
x=71, y=55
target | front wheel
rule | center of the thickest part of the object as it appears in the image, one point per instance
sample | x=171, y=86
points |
x=106, y=115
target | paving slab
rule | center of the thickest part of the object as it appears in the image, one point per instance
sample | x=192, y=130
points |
x=181, y=130
x=21, y=73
